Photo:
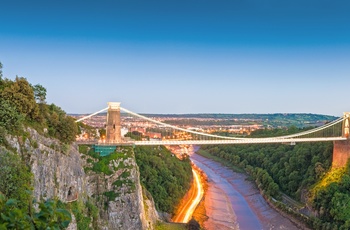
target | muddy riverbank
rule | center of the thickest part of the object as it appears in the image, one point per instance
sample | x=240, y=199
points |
x=233, y=202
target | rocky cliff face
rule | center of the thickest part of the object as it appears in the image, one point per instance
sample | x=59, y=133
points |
x=60, y=171
x=120, y=194
x=57, y=169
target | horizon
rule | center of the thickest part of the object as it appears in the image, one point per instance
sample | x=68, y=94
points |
x=179, y=114
x=182, y=57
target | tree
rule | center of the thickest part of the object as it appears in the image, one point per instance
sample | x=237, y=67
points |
x=39, y=93
x=60, y=125
x=0, y=71
x=67, y=129
x=10, y=119
x=340, y=207
x=21, y=95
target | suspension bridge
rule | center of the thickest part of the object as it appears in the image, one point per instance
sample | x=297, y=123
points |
x=336, y=131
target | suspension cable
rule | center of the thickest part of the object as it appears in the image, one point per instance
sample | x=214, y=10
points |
x=217, y=136
x=93, y=114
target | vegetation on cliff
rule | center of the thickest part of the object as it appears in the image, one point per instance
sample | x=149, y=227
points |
x=165, y=176
x=23, y=105
x=48, y=215
x=302, y=171
x=15, y=178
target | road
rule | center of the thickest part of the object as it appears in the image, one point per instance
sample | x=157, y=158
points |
x=194, y=196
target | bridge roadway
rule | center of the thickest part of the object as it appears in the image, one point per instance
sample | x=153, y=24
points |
x=216, y=142
x=240, y=141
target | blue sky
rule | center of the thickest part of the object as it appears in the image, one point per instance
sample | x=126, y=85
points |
x=189, y=56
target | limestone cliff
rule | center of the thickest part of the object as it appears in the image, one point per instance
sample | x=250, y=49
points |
x=62, y=172
x=119, y=194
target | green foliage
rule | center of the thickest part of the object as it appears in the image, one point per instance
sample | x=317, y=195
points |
x=60, y=125
x=39, y=93
x=15, y=178
x=266, y=183
x=10, y=118
x=21, y=95
x=331, y=197
x=84, y=149
x=102, y=166
x=22, y=103
x=111, y=195
x=0, y=72
x=166, y=177
x=171, y=226
x=137, y=136
x=49, y=216
x=92, y=212
x=125, y=174
x=85, y=214
x=102, y=163
x=292, y=169
x=80, y=212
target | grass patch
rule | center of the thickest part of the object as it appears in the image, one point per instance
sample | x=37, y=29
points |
x=125, y=174
x=111, y=195
x=79, y=210
x=128, y=183
x=84, y=149
x=102, y=165
x=170, y=226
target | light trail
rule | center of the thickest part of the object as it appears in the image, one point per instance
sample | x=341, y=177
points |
x=187, y=210
x=198, y=198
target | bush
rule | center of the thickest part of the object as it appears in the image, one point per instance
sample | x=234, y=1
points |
x=16, y=179
x=49, y=216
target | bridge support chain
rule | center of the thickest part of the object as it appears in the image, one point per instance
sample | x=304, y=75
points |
x=113, y=126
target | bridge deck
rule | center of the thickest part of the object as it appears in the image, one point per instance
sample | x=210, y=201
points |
x=216, y=142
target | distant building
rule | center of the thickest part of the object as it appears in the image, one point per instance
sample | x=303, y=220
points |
x=138, y=129
x=153, y=135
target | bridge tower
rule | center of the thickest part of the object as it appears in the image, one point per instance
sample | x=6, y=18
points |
x=113, y=127
x=341, y=149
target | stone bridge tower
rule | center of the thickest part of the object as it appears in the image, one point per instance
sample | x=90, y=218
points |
x=341, y=149
x=113, y=126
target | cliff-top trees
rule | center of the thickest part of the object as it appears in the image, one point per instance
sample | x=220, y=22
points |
x=39, y=93
x=21, y=95
x=22, y=103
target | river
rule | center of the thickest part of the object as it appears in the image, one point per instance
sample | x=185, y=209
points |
x=233, y=202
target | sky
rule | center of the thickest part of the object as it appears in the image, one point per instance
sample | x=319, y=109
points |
x=222, y=56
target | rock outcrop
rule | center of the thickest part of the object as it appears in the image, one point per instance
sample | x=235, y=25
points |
x=61, y=172
x=57, y=168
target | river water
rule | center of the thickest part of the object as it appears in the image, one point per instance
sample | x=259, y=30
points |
x=233, y=202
